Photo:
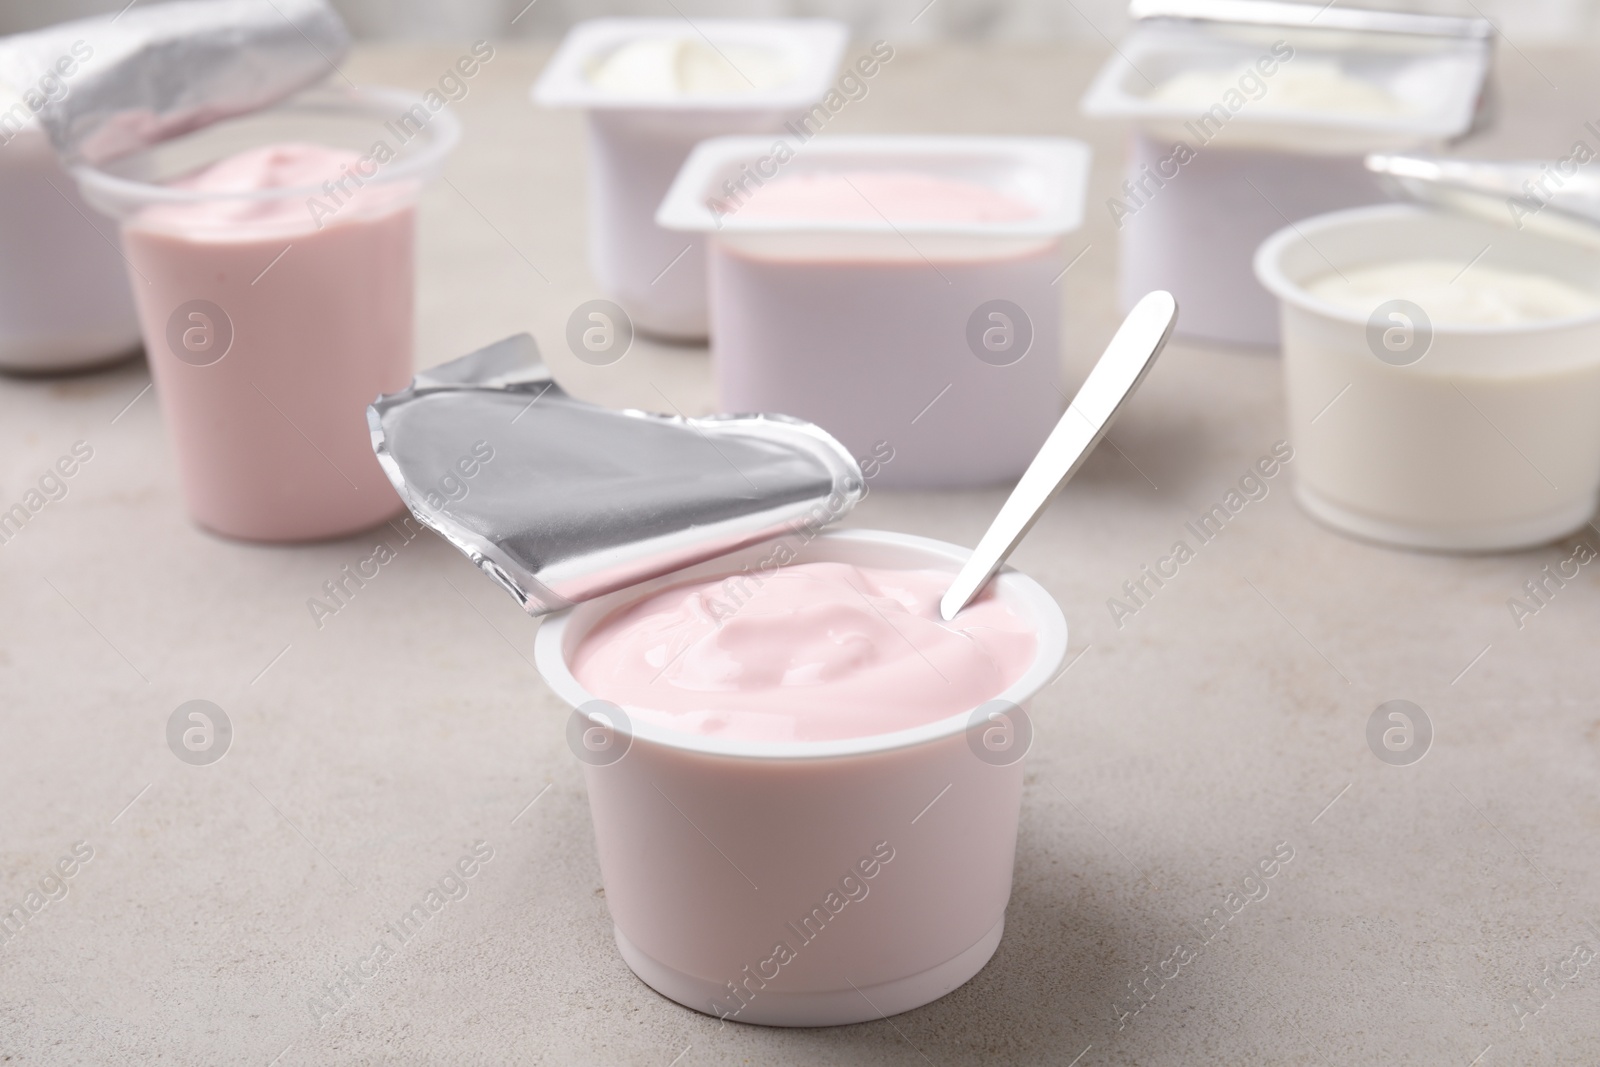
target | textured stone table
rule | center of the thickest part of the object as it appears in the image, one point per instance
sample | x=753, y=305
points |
x=1226, y=719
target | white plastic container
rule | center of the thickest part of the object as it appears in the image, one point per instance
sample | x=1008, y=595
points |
x=752, y=835
x=1490, y=440
x=64, y=299
x=875, y=330
x=637, y=142
x=1191, y=225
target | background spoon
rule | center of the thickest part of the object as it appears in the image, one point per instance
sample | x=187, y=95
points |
x=1123, y=365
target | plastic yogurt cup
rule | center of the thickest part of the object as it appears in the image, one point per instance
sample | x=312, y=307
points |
x=1238, y=130
x=808, y=883
x=652, y=88
x=64, y=300
x=272, y=260
x=897, y=291
x=1415, y=426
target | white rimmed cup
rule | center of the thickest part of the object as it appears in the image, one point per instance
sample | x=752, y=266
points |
x=1191, y=218
x=715, y=852
x=637, y=143
x=930, y=347
x=1475, y=437
x=1195, y=236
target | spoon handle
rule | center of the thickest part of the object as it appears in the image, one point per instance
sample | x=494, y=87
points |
x=1127, y=359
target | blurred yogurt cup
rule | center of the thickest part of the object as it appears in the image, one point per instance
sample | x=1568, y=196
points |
x=1239, y=129
x=272, y=258
x=1443, y=377
x=64, y=300
x=808, y=852
x=652, y=88
x=897, y=291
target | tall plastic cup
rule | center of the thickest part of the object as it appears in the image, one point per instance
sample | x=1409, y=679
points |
x=272, y=317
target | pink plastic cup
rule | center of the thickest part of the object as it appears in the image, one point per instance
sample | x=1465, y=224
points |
x=815, y=883
x=267, y=340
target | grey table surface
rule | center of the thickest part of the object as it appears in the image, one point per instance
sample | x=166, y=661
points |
x=1226, y=719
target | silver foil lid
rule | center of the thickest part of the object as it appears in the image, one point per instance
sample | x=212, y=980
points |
x=104, y=87
x=561, y=501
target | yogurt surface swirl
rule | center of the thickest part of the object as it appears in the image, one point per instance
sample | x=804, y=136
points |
x=812, y=652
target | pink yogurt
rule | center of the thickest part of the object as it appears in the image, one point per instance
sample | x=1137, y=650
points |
x=269, y=327
x=817, y=651
x=867, y=196
x=710, y=845
x=867, y=334
x=900, y=292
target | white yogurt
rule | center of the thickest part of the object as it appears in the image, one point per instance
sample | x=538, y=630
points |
x=1302, y=84
x=668, y=67
x=1477, y=428
x=1454, y=294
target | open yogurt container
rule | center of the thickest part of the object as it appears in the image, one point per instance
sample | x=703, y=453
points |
x=920, y=326
x=64, y=298
x=808, y=883
x=652, y=88
x=1239, y=129
x=273, y=262
x=1422, y=430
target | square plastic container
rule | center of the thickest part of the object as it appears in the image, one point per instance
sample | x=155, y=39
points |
x=64, y=298
x=1191, y=225
x=753, y=837
x=937, y=341
x=1488, y=441
x=637, y=142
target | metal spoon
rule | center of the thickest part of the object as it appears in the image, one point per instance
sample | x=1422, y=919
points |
x=1127, y=359
x=1502, y=192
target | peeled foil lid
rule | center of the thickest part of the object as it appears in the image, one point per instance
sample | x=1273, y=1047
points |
x=561, y=501
x=107, y=86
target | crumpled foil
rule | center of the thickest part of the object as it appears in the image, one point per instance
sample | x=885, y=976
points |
x=107, y=86
x=561, y=501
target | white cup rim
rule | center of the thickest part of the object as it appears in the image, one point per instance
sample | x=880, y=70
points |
x=1022, y=591
x=1269, y=270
